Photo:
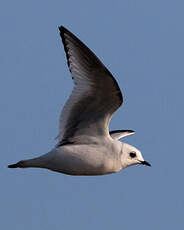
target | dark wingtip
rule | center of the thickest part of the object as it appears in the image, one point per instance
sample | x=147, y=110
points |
x=131, y=131
x=122, y=131
x=62, y=29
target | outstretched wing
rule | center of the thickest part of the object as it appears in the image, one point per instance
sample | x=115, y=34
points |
x=95, y=96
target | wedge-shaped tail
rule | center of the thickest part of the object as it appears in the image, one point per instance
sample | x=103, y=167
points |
x=38, y=162
x=19, y=164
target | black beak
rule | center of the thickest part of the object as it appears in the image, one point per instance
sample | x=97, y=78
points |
x=145, y=163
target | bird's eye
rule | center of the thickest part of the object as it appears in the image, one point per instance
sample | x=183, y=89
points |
x=132, y=154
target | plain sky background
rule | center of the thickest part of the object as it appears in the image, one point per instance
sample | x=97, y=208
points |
x=142, y=44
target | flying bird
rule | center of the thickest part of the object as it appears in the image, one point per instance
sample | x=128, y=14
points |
x=85, y=144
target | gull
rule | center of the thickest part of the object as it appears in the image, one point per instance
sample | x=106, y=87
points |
x=85, y=144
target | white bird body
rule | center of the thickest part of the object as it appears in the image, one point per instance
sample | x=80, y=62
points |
x=94, y=159
x=85, y=145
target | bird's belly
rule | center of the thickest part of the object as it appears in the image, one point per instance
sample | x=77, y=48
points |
x=75, y=160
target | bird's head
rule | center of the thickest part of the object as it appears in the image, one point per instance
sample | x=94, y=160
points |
x=131, y=156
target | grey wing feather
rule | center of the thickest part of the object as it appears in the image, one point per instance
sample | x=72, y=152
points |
x=118, y=134
x=95, y=96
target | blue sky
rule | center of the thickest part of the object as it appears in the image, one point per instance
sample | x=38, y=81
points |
x=141, y=43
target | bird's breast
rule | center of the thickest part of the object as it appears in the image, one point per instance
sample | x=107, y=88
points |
x=83, y=160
